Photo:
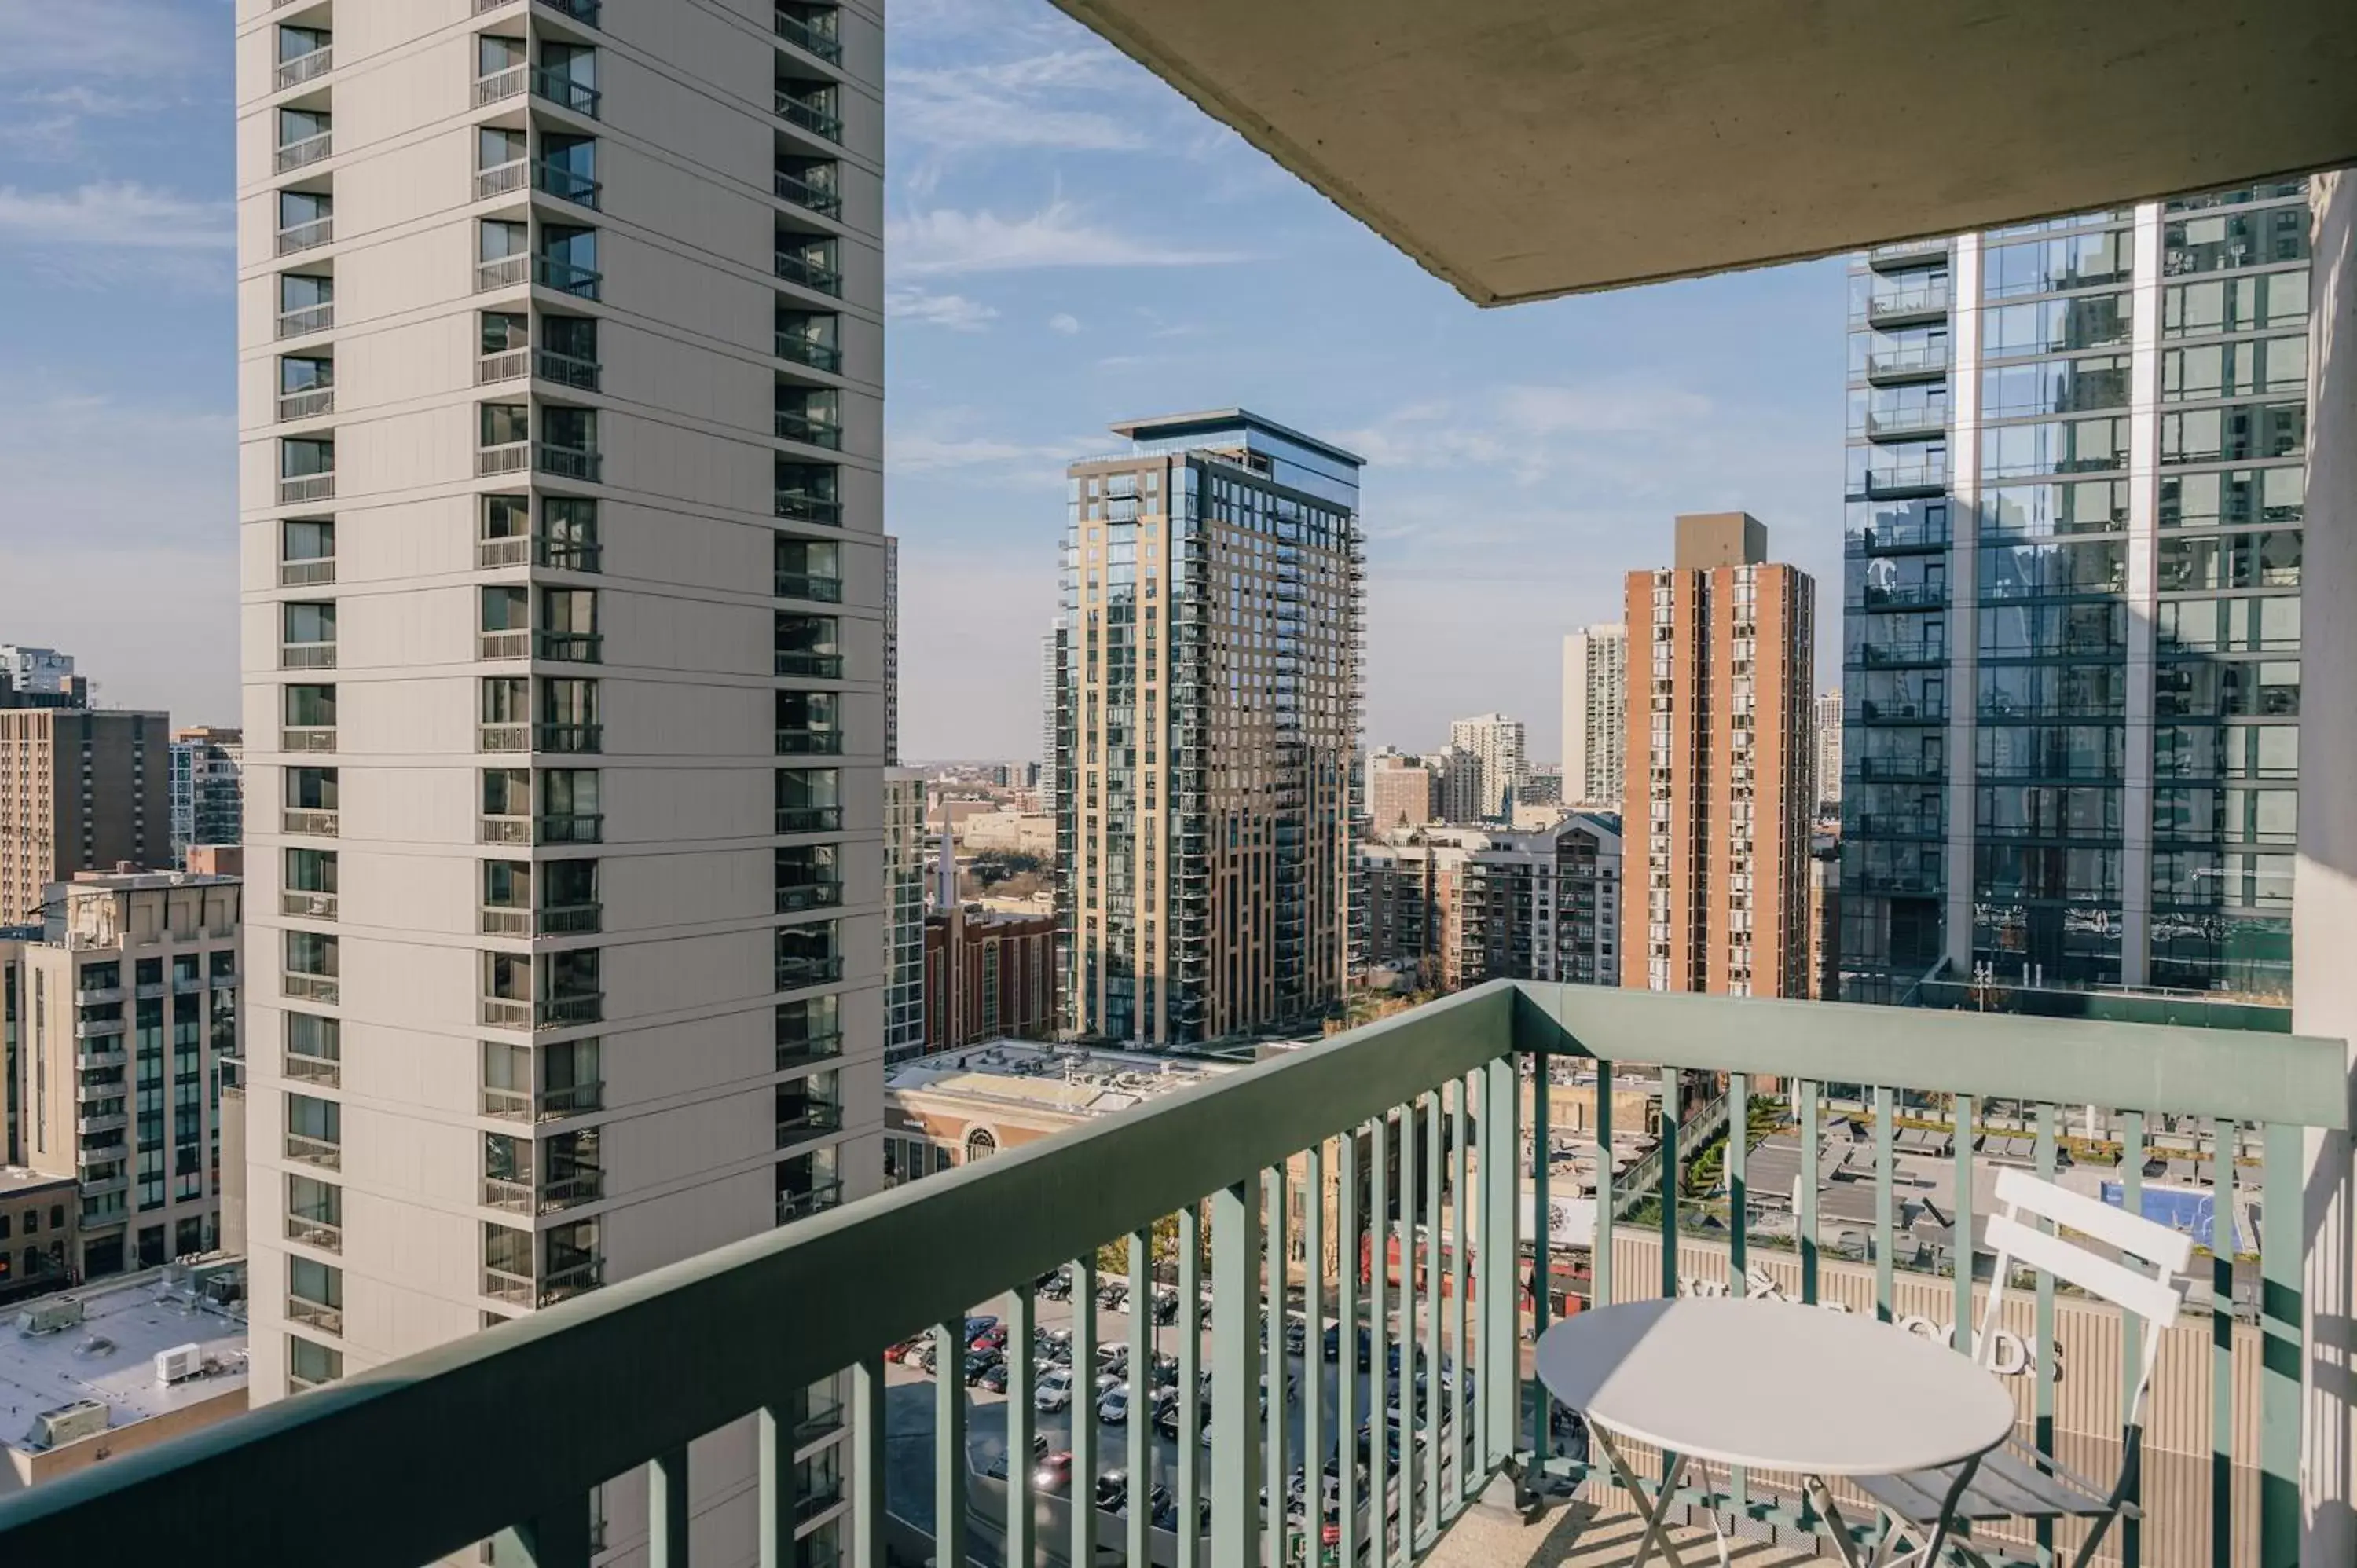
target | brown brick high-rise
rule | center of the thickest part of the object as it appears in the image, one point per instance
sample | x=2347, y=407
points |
x=1716, y=838
x=79, y=791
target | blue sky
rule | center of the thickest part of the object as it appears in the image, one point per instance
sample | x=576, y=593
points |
x=1071, y=243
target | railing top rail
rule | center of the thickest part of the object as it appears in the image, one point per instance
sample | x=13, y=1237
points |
x=2246, y=1075
x=738, y=1327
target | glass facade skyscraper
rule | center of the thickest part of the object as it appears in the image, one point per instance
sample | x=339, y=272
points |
x=2071, y=609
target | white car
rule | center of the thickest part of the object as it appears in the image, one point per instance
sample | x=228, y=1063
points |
x=1055, y=1391
x=1114, y=1409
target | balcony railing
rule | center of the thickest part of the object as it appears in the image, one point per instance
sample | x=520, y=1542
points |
x=543, y=1197
x=810, y=1119
x=803, y=506
x=551, y=1105
x=568, y=737
x=564, y=278
x=564, y=1012
x=511, y=364
x=802, y=427
x=501, y=272
x=300, y=488
x=808, y=352
x=307, y=906
x=571, y=827
x=803, y=1050
x=1910, y=303
x=315, y=1315
x=817, y=666
x=803, y=585
x=568, y=462
x=810, y=819
x=809, y=117
x=795, y=973
x=1909, y=362
x=306, y=656
x=503, y=737
x=303, y=68
x=307, y=737
x=317, y=1152
x=810, y=743
x=810, y=37
x=324, y=1071
x=569, y=647
x=500, y=179
x=1907, y=478
x=555, y=87
x=799, y=895
x=1440, y=1091
x=793, y=1206
x=309, y=150
x=818, y=199
x=566, y=370
x=500, y=84
x=512, y=458
x=310, y=987
x=307, y=320
x=307, y=236
x=313, y=571
x=795, y=267
x=584, y=12
x=320, y=1233
x=556, y=180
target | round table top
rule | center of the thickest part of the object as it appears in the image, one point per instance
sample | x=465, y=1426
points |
x=1775, y=1384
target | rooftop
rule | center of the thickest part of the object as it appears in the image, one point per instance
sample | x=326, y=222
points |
x=111, y=1354
x=1077, y=1080
x=18, y=1179
x=1220, y=421
x=144, y=881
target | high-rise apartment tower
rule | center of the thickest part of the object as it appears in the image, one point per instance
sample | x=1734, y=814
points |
x=1826, y=742
x=80, y=790
x=2071, y=636
x=208, y=788
x=1716, y=836
x=561, y=357
x=1495, y=743
x=1209, y=718
x=1595, y=716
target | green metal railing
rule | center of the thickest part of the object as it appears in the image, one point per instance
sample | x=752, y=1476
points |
x=1403, y=1137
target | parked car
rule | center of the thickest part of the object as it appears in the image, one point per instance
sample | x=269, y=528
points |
x=1055, y=1391
x=1297, y=1336
x=1056, y=1284
x=980, y=1361
x=1112, y=1490
x=1366, y=1346
x=991, y=1339
x=1114, y=1408
x=1054, y=1473
x=977, y=1323
x=993, y=1378
x=923, y=1358
x=904, y=1350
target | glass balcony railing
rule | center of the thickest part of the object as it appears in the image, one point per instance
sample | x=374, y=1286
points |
x=800, y=1050
x=1908, y=362
x=809, y=117
x=810, y=819
x=795, y=973
x=812, y=38
x=811, y=197
x=812, y=666
x=803, y=506
x=810, y=742
x=1440, y=1089
x=811, y=432
x=804, y=585
x=809, y=351
x=797, y=268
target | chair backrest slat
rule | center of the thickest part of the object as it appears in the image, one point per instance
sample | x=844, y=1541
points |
x=2131, y=1233
x=2154, y=1300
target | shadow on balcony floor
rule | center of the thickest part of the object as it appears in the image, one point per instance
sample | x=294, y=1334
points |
x=1582, y=1535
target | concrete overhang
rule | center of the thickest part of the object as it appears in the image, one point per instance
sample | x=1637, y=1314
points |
x=1523, y=148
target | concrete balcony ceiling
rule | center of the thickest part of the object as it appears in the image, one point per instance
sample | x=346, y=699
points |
x=1524, y=149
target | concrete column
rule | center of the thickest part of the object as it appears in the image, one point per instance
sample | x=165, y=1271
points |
x=1963, y=615
x=2324, y=903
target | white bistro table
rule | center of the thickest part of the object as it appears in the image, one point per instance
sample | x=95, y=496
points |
x=1774, y=1385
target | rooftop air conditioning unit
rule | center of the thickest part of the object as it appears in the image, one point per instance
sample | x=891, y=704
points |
x=179, y=1363
x=70, y=1423
x=53, y=1316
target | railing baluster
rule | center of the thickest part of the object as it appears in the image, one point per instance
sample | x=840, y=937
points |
x=1542, y=1239
x=1083, y=1410
x=2222, y=1341
x=1805, y=1220
x=1738, y=1234
x=2282, y=1350
x=777, y=1486
x=1960, y=1237
x=1273, y=1457
x=949, y=1441
x=1886, y=1135
x=1138, y=1453
x=1404, y=1293
x=1600, y=1262
x=1022, y=1529
x=867, y=1462
x=1671, y=1109
x=2044, y=1328
x=667, y=1509
x=2132, y=1150
x=1460, y=1444
x=1235, y=1378
x=1502, y=1370
x=1313, y=1336
x=1189, y=1481
x=1379, y=1211
x=1428, y=1278
x=1346, y=1341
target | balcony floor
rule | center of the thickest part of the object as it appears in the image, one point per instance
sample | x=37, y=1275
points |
x=1581, y=1535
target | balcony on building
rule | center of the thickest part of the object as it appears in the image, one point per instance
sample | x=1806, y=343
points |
x=808, y=1030
x=810, y=261
x=521, y=1268
x=542, y=991
x=808, y=1108
x=315, y=1131
x=567, y=169
x=305, y=137
x=307, y=471
x=812, y=29
x=808, y=878
x=306, y=552
x=304, y=55
x=808, y=646
x=810, y=103
x=808, y=725
x=309, y=893
x=307, y=635
x=548, y=1082
x=808, y=339
x=306, y=304
x=808, y=183
x=806, y=492
x=1907, y=362
x=309, y=718
x=312, y=968
x=809, y=569
x=810, y=415
x=807, y=956
x=307, y=219
x=1907, y=301
x=807, y=1185
x=808, y=800
x=537, y=1176
x=567, y=445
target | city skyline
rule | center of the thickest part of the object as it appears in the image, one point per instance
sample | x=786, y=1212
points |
x=1018, y=140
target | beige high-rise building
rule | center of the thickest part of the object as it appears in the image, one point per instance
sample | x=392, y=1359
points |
x=1403, y=792
x=1716, y=832
x=1826, y=749
x=117, y=1025
x=561, y=360
x=1495, y=743
x=1209, y=728
x=1595, y=716
x=80, y=790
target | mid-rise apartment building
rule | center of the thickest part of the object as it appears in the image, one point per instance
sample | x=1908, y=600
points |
x=561, y=361
x=124, y=1010
x=1595, y=716
x=1403, y=792
x=1494, y=744
x=1826, y=749
x=1448, y=908
x=1208, y=732
x=77, y=793
x=904, y=913
x=2072, y=619
x=1719, y=777
x=208, y=788
x=987, y=976
x=41, y=673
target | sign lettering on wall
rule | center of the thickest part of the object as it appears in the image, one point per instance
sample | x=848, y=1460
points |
x=2011, y=1356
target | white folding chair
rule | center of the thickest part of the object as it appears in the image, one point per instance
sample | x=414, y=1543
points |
x=2016, y=1480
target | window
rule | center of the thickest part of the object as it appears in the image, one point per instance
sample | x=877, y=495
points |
x=309, y=1364
x=980, y=1145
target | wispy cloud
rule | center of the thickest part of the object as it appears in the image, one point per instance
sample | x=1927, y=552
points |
x=916, y=452
x=106, y=38
x=1014, y=103
x=1065, y=322
x=119, y=213
x=955, y=311
x=946, y=241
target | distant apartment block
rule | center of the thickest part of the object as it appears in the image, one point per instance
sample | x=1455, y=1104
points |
x=1718, y=812
x=208, y=788
x=1595, y=716
x=561, y=365
x=1403, y=792
x=43, y=675
x=1826, y=725
x=1051, y=673
x=1209, y=720
x=891, y=650
x=77, y=793
x=1496, y=745
x=1446, y=907
x=125, y=1015
x=904, y=913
